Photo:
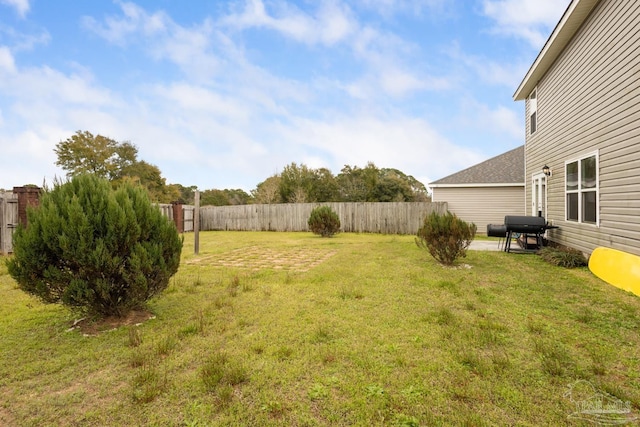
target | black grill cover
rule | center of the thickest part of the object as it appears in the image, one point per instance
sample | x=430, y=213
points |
x=494, y=230
x=525, y=224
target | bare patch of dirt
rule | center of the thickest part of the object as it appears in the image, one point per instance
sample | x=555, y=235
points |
x=6, y=418
x=92, y=327
x=256, y=258
x=457, y=267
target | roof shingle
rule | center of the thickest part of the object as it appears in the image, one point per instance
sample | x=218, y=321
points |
x=507, y=168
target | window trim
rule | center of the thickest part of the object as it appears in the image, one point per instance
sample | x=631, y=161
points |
x=579, y=191
x=533, y=111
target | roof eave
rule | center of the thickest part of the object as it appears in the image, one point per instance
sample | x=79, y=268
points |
x=573, y=18
x=476, y=185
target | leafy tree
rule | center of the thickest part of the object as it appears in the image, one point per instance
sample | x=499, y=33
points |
x=324, y=187
x=117, y=162
x=214, y=198
x=224, y=197
x=238, y=196
x=296, y=183
x=352, y=184
x=268, y=191
x=96, y=249
x=359, y=184
x=184, y=195
x=300, y=184
x=392, y=186
x=86, y=153
x=371, y=184
x=148, y=176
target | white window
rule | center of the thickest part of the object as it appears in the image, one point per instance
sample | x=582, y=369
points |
x=581, y=188
x=533, y=112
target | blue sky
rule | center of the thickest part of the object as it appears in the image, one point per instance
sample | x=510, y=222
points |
x=223, y=94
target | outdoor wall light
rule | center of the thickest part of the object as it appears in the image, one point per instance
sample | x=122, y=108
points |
x=546, y=170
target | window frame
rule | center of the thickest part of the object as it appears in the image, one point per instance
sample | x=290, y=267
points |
x=580, y=191
x=533, y=111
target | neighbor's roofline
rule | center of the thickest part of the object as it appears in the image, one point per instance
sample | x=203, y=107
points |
x=573, y=18
x=476, y=184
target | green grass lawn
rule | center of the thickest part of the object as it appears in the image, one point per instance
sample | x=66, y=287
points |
x=360, y=329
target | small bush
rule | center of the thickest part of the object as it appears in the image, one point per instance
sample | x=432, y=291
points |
x=324, y=221
x=447, y=237
x=563, y=257
x=95, y=249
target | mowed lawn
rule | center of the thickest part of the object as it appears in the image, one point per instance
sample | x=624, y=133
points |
x=360, y=329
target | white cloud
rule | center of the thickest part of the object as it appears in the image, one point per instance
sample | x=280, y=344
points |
x=532, y=20
x=21, y=6
x=206, y=53
x=7, y=63
x=502, y=123
x=34, y=148
x=331, y=23
x=24, y=41
x=198, y=100
x=189, y=48
x=508, y=73
x=45, y=84
x=505, y=121
x=117, y=30
x=409, y=144
x=414, y=7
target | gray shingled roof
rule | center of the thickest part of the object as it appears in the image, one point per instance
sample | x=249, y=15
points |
x=507, y=168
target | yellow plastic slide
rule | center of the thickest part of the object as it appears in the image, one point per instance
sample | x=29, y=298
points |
x=620, y=269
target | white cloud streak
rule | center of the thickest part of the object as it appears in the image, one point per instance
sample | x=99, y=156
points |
x=21, y=6
x=332, y=22
x=531, y=20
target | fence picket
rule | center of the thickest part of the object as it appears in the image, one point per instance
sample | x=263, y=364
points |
x=8, y=221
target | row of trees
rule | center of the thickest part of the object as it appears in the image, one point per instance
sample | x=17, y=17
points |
x=301, y=184
x=118, y=162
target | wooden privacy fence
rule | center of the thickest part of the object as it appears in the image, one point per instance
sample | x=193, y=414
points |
x=385, y=218
x=8, y=220
x=181, y=215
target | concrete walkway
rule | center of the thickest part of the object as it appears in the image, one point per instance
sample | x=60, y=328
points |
x=485, y=245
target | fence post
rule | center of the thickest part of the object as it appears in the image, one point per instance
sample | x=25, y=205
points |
x=27, y=196
x=178, y=216
x=196, y=223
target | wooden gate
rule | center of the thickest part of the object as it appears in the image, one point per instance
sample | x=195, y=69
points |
x=188, y=217
x=8, y=220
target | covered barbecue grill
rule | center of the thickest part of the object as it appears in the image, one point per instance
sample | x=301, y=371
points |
x=527, y=229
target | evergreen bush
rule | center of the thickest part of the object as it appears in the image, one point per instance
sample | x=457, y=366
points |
x=88, y=247
x=324, y=221
x=447, y=237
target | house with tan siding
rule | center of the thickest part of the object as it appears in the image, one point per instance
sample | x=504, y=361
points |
x=486, y=192
x=582, y=108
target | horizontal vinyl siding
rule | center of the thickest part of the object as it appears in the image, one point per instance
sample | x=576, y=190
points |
x=590, y=101
x=482, y=206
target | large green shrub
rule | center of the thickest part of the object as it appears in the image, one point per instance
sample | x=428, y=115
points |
x=447, y=237
x=102, y=251
x=324, y=221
